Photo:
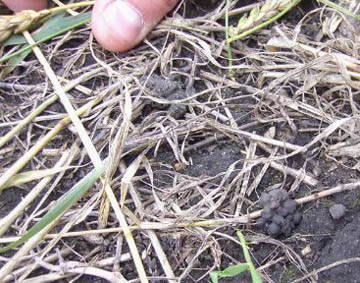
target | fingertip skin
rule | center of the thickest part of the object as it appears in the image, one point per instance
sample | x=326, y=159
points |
x=19, y=5
x=110, y=24
x=110, y=27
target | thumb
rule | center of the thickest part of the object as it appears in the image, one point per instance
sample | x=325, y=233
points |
x=119, y=25
x=19, y=5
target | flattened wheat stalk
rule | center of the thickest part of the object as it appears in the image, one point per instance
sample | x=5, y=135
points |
x=24, y=20
x=271, y=10
x=20, y=22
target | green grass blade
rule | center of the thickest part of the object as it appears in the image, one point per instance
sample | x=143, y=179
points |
x=230, y=271
x=14, y=61
x=29, y=176
x=56, y=26
x=254, y=274
x=340, y=9
x=227, y=36
x=264, y=24
x=63, y=205
x=17, y=39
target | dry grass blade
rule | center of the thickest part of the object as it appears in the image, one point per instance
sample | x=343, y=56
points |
x=346, y=65
x=25, y=249
x=91, y=150
x=126, y=184
x=324, y=268
x=81, y=268
x=190, y=149
x=69, y=86
x=4, y=139
x=78, y=216
x=127, y=232
x=116, y=151
x=119, y=213
x=6, y=221
x=17, y=273
x=29, y=176
x=17, y=166
x=243, y=219
x=92, y=153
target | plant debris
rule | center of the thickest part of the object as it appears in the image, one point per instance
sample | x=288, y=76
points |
x=196, y=134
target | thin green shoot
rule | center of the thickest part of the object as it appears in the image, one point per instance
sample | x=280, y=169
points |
x=254, y=274
x=56, y=27
x=237, y=269
x=340, y=9
x=29, y=176
x=230, y=271
x=264, y=24
x=227, y=35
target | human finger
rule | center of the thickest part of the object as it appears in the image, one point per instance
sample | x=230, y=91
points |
x=19, y=5
x=119, y=25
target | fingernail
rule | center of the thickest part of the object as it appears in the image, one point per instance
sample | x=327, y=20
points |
x=124, y=18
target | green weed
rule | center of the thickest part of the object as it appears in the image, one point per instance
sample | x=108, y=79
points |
x=237, y=269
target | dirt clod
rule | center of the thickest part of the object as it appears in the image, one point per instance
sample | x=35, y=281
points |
x=337, y=211
x=278, y=216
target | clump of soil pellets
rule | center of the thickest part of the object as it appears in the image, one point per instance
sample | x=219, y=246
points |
x=279, y=215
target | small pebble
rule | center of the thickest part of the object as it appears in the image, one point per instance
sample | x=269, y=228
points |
x=337, y=211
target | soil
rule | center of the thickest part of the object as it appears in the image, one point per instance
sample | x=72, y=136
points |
x=209, y=154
